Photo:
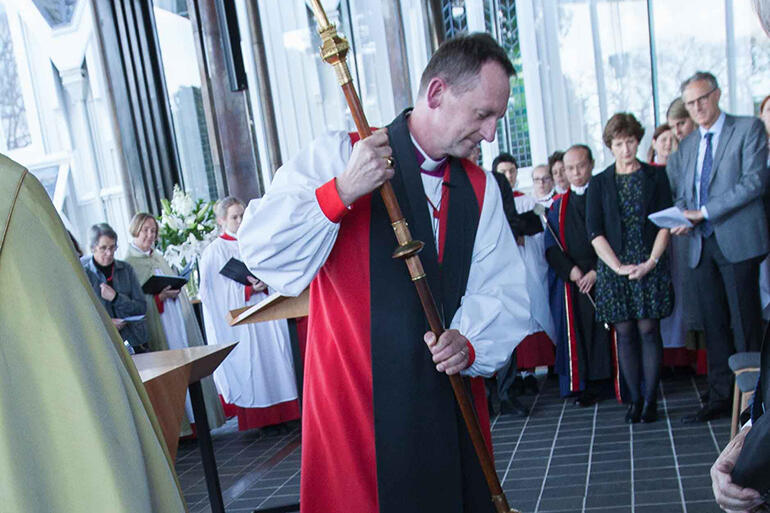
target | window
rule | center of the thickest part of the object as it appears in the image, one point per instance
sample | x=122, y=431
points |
x=183, y=83
x=14, y=130
x=599, y=57
x=499, y=20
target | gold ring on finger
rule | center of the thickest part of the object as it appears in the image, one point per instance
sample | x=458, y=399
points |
x=389, y=162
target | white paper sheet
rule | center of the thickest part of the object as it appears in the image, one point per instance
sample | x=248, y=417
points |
x=670, y=218
x=134, y=318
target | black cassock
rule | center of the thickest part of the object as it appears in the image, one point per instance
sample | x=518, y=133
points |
x=584, y=351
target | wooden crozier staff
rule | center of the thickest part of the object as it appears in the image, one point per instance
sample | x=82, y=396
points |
x=334, y=50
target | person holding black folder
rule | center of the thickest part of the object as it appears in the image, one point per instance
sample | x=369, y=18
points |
x=258, y=375
x=170, y=320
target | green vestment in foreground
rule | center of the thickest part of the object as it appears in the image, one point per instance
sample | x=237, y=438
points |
x=77, y=431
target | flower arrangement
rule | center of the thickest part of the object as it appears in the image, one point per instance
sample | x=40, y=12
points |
x=185, y=228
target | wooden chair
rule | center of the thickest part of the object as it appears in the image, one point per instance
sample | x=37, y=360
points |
x=745, y=367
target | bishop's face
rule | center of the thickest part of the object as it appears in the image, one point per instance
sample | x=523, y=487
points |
x=466, y=117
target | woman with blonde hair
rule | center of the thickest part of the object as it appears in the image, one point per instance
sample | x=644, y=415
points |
x=171, y=322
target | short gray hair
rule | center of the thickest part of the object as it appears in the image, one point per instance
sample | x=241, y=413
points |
x=700, y=75
x=101, y=230
x=221, y=206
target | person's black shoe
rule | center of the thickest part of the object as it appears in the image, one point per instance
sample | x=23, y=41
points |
x=708, y=412
x=634, y=413
x=586, y=399
x=513, y=405
x=649, y=412
x=530, y=385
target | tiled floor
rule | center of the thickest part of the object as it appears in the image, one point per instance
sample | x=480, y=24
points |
x=560, y=459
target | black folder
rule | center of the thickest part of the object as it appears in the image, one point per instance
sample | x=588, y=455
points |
x=156, y=283
x=529, y=223
x=236, y=270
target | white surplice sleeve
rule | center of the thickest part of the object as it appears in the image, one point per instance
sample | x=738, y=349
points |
x=494, y=312
x=287, y=235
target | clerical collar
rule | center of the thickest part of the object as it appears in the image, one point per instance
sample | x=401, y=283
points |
x=427, y=165
x=146, y=253
x=578, y=189
x=559, y=190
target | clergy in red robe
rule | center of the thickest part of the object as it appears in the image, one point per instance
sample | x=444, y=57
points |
x=381, y=431
x=586, y=352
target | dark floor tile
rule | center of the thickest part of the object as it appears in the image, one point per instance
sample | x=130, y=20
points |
x=560, y=504
x=672, y=507
x=560, y=489
x=596, y=488
x=608, y=500
x=568, y=470
x=698, y=494
x=697, y=459
x=694, y=470
x=657, y=496
x=654, y=462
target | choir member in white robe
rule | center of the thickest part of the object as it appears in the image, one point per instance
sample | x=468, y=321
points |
x=258, y=375
x=380, y=427
x=556, y=168
x=537, y=348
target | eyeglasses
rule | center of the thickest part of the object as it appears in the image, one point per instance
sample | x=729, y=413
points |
x=544, y=179
x=700, y=100
x=106, y=249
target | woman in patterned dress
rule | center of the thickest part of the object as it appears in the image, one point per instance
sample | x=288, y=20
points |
x=633, y=285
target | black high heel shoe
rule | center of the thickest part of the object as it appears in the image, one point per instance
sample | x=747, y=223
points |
x=650, y=411
x=634, y=413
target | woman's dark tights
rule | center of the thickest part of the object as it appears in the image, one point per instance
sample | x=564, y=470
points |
x=640, y=351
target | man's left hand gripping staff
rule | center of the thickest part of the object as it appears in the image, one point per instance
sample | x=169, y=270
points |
x=451, y=352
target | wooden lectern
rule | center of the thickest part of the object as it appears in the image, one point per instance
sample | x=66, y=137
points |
x=273, y=307
x=167, y=375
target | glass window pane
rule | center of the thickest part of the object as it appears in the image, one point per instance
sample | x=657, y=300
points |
x=180, y=69
x=752, y=67
x=13, y=114
x=605, y=60
x=686, y=44
x=576, y=55
x=625, y=48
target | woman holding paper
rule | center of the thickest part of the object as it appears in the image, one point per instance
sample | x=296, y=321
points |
x=258, y=376
x=171, y=322
x=115, y=283
x=633, y=285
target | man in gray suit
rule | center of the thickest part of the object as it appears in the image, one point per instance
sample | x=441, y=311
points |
x=719, y=176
